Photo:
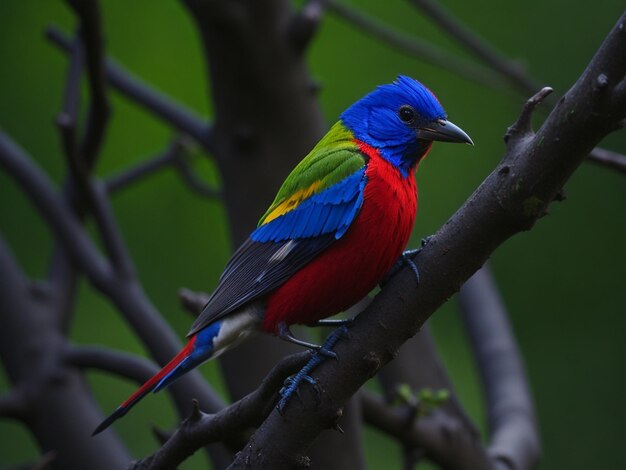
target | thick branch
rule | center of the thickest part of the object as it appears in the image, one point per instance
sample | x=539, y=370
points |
x=163, y=106
x=53, y=210
x=200, y=428
x=514, y=436
x=125, y=292
x=30, y=349
x=509, y=200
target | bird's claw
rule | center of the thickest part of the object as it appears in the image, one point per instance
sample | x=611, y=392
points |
x=406, y=259
x=324, y=352
x=327, y=353
x=291, y=386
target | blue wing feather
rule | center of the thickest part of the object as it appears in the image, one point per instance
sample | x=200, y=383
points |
x=339, y=203
x=280, y=247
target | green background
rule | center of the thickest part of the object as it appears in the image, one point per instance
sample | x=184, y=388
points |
x=561, y=281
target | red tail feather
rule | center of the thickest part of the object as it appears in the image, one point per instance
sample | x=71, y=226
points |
x=146, y=387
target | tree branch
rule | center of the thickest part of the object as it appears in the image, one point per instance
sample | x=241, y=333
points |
x=131, y=175
x=522, y=127
x=200, y=428
x=13, y=405
x=414, y=47
x=90, y=32
x=64, y=225
x=119, y=363
x=124, y=365
x=304, y=24
x=174, y=156
x=419, y=366
x=79, y=163
x=608, y=158
x=163, y=106
x=510, y=200
x=443, y=438
x=193, y=302
x=509, y=69
x=125, y=292
x=67, y=118
x=109, y=231
x=514, y=436
x=193, y=182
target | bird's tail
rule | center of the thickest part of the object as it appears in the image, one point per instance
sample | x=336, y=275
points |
x=192, y=355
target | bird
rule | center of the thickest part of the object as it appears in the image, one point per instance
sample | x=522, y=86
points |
x=338, y=225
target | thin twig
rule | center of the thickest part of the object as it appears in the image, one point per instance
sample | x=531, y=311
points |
x=507, y=68
x=90, y=196
x=415, y=47
x=608, y=158
x=128, y=366
x=109, y=231
x=90, y=33
x=304, y=24
x=163, y=106
x=192, y=301
x=149, y=166
x=193, y=181
x=67, y=118
x=173, y=156
x=125, y=365
x=67, y=122
x=522, y=127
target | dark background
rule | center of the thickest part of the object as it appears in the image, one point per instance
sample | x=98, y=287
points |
x=562, y=282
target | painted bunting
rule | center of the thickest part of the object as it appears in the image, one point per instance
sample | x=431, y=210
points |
x=339, y=223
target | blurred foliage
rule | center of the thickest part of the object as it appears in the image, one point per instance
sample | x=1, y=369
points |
x=561, y=281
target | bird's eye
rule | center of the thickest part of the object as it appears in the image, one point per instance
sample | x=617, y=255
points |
x=406, y=113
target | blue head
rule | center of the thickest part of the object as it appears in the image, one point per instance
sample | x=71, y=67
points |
x=401, y=120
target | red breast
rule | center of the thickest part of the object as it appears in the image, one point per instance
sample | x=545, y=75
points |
x=355, y=264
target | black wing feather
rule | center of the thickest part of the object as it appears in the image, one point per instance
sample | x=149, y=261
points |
x=252, y=273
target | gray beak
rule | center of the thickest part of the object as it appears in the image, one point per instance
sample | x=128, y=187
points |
x=443, y=131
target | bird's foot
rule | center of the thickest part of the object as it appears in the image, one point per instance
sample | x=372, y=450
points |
x=321, y=354
x=406, y=259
